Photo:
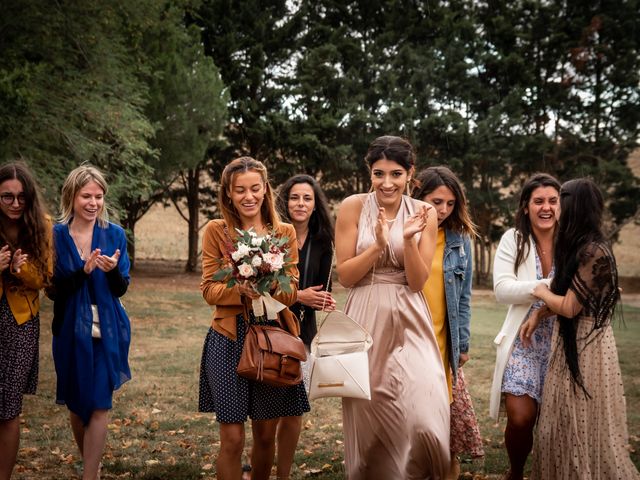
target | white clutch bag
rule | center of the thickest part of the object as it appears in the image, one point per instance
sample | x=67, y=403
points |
x=340, y=360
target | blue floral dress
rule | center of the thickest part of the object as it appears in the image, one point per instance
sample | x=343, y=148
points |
x=527, y=366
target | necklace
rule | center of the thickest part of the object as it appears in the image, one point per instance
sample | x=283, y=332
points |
x=82, y=245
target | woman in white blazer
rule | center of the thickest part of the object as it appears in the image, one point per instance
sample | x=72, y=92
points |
x=524, y=259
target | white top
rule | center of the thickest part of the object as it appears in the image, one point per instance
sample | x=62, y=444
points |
x=516, y=290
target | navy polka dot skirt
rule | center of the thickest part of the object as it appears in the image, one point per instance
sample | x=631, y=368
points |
x=233, y=398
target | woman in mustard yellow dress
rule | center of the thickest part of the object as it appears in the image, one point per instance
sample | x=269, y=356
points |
x=448, y=294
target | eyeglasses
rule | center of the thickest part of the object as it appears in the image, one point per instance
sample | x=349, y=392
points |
x=9, y=198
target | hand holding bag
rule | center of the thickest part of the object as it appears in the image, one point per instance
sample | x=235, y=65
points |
x=340, y=359
x=271, y=355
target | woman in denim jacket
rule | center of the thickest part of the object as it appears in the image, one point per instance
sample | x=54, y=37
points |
x=448, y=293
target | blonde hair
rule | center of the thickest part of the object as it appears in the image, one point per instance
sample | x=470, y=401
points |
x=76, y=180
x=229, y=212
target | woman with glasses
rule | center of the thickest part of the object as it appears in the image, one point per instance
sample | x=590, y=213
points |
x=25, y=267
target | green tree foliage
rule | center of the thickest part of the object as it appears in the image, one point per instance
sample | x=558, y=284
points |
x=188, y=104
x=70, y=92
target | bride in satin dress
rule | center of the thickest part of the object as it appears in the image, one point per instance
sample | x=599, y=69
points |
x=385, y=243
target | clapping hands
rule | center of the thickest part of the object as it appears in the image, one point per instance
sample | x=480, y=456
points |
x=15, y=261
x=103, y=262
x=416, y=222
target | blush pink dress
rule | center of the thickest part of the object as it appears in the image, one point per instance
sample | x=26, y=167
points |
x=403, y=432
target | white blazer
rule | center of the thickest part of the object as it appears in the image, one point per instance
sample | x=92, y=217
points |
x=516, y=290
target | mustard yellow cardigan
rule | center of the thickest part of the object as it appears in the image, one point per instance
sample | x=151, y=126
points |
x=24, y=298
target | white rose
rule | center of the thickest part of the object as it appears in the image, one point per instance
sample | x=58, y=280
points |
x=256, y=241
x=256, y=261
x=245, y=270
x=241, y=251
x=274, y=260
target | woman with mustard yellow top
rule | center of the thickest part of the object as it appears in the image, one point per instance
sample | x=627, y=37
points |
x=448, y=294
x=25, y=267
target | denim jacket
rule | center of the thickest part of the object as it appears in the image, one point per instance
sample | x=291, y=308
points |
x=457, y=266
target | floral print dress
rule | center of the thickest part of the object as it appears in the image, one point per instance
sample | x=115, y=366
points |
x=527, y=366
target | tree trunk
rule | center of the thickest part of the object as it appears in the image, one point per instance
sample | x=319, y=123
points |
x=193, y=207
x=129, y=226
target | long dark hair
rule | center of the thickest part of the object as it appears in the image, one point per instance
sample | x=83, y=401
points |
x=431, y=178
x=523, y=223
x=34, y=236
x=581, y=210
x=321, y=221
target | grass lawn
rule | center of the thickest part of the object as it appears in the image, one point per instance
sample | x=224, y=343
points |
x=157, y=433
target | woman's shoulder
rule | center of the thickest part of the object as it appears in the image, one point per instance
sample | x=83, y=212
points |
x=416, y=202
x=594, y=250
x=284, y=229
x=352, y=205
x=357, y=199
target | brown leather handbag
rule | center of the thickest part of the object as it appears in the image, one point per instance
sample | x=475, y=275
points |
x=271, y=355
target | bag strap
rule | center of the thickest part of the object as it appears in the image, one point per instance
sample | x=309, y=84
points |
x=307, y=246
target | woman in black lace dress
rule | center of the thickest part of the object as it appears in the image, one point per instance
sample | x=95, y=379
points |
x=582, y=430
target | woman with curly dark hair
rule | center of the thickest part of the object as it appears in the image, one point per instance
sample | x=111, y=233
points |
x=582, y=430
x=25, y=267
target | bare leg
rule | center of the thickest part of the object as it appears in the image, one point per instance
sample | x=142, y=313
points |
x=518, y=436
x=228, y=465
x=77, y=427
x=454, y=468
x=288, y=434
x=264, y=447
x=91, y=440
x=9, y=443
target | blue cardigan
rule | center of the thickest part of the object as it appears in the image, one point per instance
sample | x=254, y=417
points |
x=73, y=291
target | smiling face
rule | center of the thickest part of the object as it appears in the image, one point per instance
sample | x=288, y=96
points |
x=301, y=203
x=88, y=202
x=444, y=201
x=247, y=195
x=543, y=209
x=12, y=199
x=389, y=180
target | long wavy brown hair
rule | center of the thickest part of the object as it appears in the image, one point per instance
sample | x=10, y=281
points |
x=34, y=228
x=229, y=213
x=431, y=178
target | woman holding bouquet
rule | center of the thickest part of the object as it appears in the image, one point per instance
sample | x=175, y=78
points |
x=246, y=201
x=385, y=242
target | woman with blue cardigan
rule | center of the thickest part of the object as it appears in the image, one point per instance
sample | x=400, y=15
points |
x=91, y=328
x=448, y=293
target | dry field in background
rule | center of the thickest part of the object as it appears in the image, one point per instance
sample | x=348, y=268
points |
x=162, y=235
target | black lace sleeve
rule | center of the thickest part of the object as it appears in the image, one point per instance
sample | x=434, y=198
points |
x=596, y=283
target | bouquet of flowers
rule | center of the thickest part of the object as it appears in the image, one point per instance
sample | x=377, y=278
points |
x=261, y=261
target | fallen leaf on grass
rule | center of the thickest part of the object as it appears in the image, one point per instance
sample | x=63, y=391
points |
x=156, y=410
x=152, y=462
x=208, y=466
